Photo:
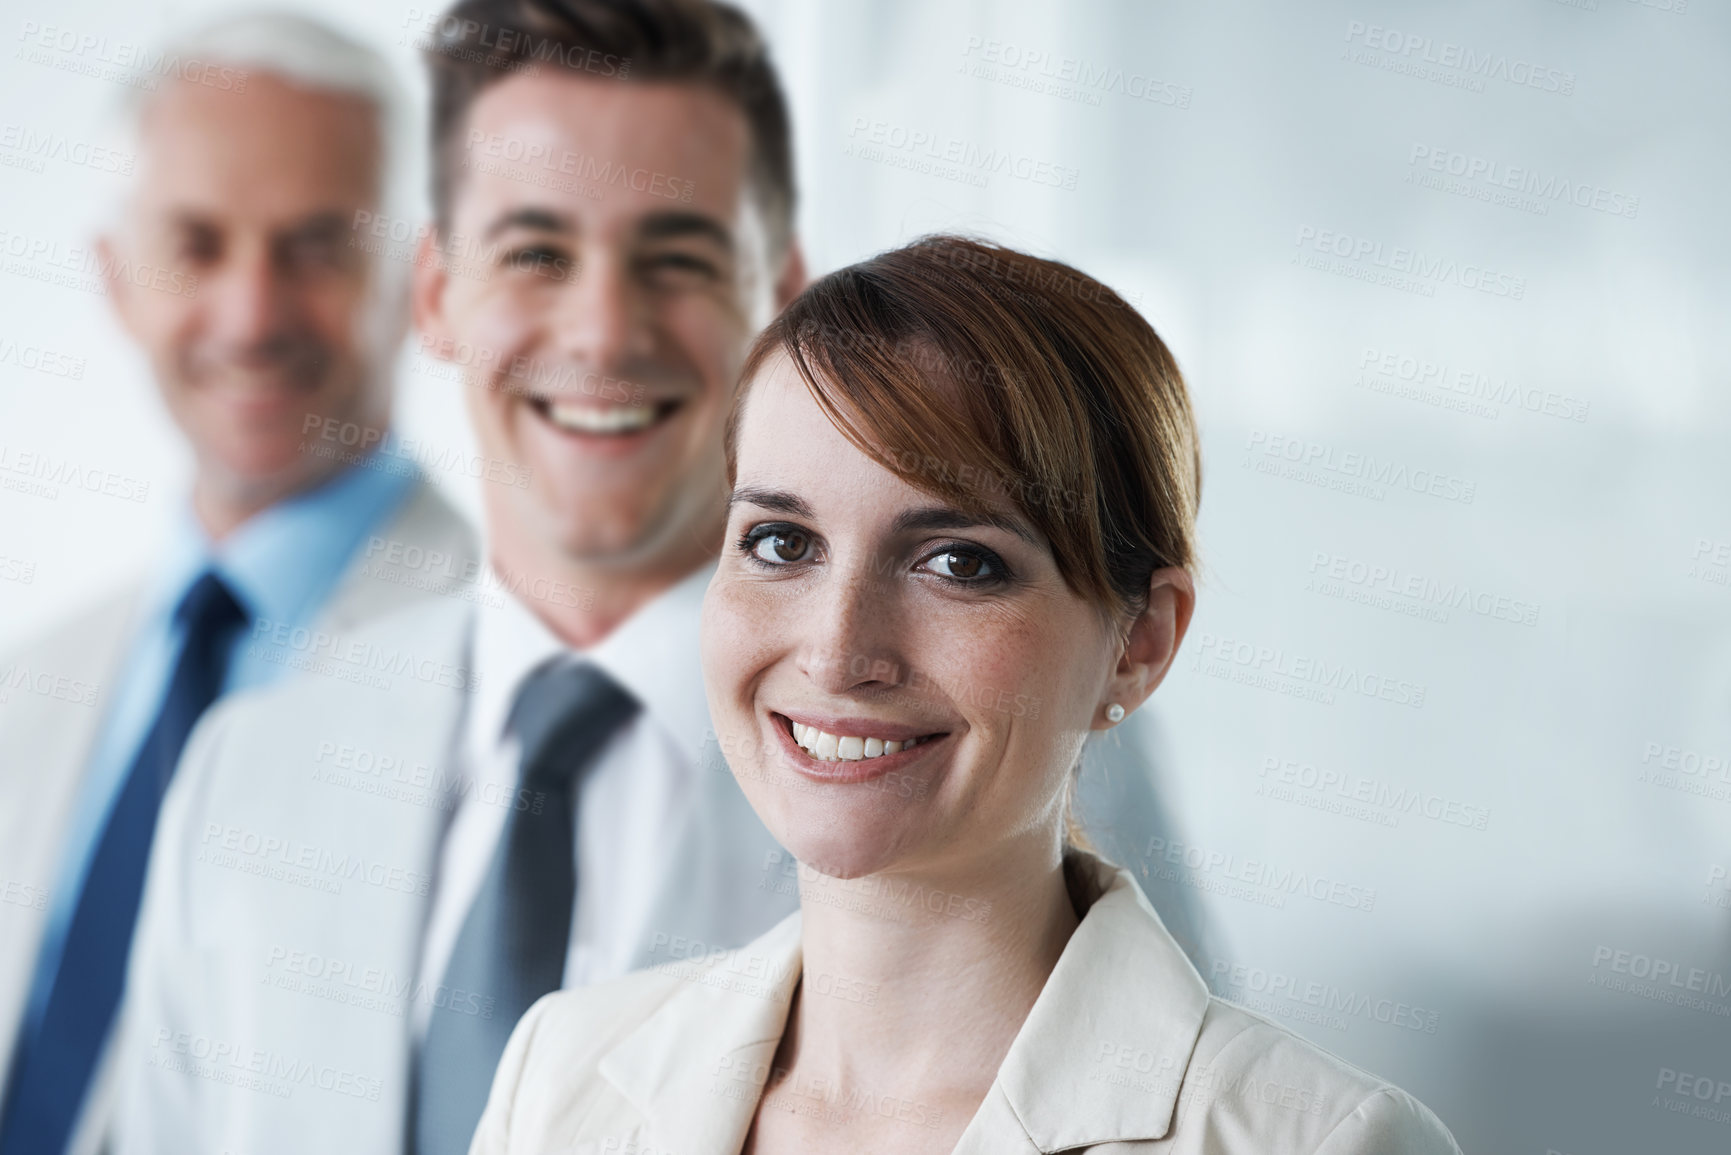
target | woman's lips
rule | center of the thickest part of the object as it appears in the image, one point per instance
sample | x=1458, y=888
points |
x=853, y=769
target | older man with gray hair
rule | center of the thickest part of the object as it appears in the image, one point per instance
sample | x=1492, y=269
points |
x=271, y=344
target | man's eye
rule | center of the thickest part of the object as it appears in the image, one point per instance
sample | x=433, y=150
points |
x=540, y=261
x=780, y=546
x=314, y=253
x=671, y=266
x=961, y=565
x=201, y=246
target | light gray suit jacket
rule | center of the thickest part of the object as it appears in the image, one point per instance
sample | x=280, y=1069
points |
x=278, y=959
x=48, y=728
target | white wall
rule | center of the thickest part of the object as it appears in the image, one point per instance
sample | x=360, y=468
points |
x=1270, y=127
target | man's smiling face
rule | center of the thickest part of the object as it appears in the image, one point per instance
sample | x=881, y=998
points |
x=607, y=266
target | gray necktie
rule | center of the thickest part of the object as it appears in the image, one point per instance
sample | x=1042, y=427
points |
x=512, y=947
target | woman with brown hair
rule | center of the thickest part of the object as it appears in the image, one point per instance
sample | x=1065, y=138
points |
x=960, y=539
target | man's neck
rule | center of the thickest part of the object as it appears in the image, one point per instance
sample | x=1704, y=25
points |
x=581, y=604
x=223, y=505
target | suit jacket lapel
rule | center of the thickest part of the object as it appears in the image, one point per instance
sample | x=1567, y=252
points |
x=351, y=781
x=728, y=881
x=696, y=1068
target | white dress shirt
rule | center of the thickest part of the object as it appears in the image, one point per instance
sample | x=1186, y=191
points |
x=629, y=805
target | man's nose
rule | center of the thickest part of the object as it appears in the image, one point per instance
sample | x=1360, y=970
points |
x=603, y=319
x=250, y=302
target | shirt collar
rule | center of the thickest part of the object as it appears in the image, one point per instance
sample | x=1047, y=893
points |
x=1121, y=979
x=283, y=562
x=652, y=654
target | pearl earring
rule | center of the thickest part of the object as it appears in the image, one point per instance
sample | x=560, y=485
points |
x=1114, y=713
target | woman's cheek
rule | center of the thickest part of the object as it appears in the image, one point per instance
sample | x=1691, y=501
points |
x=734, y=632
x=1007, y=669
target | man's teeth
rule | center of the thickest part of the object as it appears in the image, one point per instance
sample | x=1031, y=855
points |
x=611, y=419
x=828, y=747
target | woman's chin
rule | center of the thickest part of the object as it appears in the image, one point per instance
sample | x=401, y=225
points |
x=842, y=850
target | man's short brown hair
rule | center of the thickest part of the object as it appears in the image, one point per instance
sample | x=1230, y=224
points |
x=702, y=42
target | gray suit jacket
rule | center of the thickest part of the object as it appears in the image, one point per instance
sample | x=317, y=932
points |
x=48, y=727
x=278, y=959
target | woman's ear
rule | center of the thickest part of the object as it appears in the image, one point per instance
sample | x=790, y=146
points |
x=1151, y=642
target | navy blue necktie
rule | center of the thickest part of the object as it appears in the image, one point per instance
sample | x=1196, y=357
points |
x=512, y=947
x=52, y=1069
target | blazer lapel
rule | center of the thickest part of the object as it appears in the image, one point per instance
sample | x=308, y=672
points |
x=1102, y=1055
x=291, y=770
x=696, y=1068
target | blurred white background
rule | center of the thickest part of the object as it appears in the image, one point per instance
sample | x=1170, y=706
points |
x=1468, y=882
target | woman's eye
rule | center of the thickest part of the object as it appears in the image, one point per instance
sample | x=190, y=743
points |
x=961, y=566
x=780, y=547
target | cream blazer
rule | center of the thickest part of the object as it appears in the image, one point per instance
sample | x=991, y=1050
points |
x=1124, y=1051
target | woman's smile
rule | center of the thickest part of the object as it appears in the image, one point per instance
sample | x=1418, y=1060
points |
x=845, y=750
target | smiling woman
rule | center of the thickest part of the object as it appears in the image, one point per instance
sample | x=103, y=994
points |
x=961, y=522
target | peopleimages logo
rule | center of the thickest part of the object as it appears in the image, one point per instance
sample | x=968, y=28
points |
x=1375, y=584
x=1488, y=179
x=45, y=473
x=1323, y=788
x=105, y=58
x=1699, y=1096
x=226, y=1062
x=1301, y=675
x=1396, y=266
x=940, y=154
x=1274, y=881
x=43, y=258
x=37, y=147
x=1446, y=62
x=1288, y=996
x=1397, y=372
x=1360, y=474
x=1066, y=77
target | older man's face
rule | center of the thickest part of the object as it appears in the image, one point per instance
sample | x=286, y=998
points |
x=254, y=194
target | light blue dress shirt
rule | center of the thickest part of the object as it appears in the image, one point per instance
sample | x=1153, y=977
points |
x=282, y=565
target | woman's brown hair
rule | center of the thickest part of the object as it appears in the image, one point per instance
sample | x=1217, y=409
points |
x=985, y=376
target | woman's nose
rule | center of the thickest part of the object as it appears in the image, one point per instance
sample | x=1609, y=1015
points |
x=852, y=641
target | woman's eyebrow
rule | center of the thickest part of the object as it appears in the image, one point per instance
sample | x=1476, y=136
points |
x=774, y=500
x=923, y=519
x=945, y=517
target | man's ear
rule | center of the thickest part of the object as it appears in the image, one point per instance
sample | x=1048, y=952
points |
x=1151, y=643
x=427, y=287
x=793, y=279
x=120, y=299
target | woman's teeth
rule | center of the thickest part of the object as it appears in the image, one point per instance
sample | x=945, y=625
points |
x=611, y=419
x=826, y=747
